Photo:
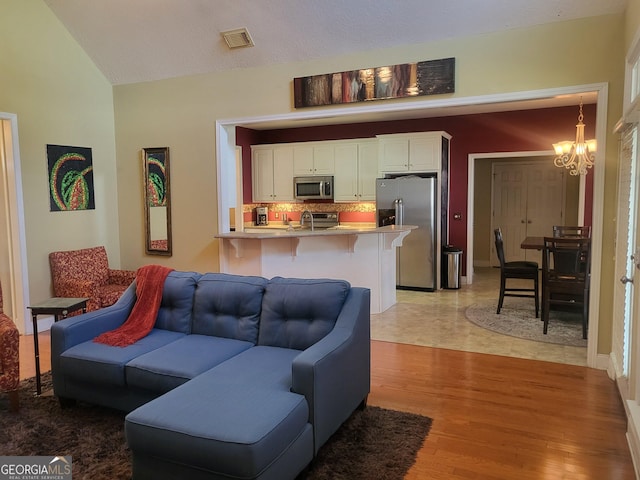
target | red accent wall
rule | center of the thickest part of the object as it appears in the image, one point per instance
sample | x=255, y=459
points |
x=517, y=131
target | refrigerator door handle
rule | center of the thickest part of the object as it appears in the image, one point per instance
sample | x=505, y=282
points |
x=398, y=205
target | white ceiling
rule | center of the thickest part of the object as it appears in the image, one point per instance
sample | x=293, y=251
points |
x=142, y=40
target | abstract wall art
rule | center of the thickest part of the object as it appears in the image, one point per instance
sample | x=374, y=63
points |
x=431, y=77
x=70, y=178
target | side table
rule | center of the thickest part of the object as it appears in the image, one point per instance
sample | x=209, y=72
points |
x=59, y=307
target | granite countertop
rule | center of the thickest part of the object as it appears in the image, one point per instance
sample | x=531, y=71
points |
x=296, y=232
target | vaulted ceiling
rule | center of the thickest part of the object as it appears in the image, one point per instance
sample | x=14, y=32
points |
x=143, y=40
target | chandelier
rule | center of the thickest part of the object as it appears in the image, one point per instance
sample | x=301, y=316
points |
x=576, y=156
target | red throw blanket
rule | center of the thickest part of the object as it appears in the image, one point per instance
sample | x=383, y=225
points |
x=149, y=284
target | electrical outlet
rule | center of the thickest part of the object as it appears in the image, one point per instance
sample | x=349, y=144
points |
x=277, y=215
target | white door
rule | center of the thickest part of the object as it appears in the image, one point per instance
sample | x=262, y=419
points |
x=510, y=208
x=528, y=199
x=545, y=198
x=623, y=297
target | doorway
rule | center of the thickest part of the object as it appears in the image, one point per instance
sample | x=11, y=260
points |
x=529, y=197
x=13, y=261
x=226, y=171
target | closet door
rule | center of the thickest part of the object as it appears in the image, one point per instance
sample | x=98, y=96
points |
x=545, y=199
x=528, y=199
x=509, y=209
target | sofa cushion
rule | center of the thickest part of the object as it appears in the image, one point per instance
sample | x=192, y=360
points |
x=172, y=365
x=97, y=362
x=233, y=420
x=296, y=313
x=228, y=306
x=177, y=302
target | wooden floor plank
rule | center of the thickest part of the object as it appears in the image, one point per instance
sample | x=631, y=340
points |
x=494, y=417
x=504, y=418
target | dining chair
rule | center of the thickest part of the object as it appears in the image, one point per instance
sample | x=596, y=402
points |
x=516, y=270
x=572, y=231
x=566, y=276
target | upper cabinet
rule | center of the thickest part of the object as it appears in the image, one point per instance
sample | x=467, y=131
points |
x=272, y=173
x=412, y=152
x=356, y=171
x=313, y=159
x=354, y=164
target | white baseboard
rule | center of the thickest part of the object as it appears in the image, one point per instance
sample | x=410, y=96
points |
x=633, y=424
x=632, y=411
x=481, y=263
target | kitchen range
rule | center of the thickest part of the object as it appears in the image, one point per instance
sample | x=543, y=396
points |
x=320, y=220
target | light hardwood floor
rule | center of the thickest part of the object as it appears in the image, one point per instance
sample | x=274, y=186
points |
x=494, y=416
x=505, y=418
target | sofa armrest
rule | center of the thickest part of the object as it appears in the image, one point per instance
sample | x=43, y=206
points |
x=121, y=277
x=334, y=374
x=76, y=288
x=81, y=328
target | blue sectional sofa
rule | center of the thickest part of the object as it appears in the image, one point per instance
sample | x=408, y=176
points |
x=241, y=377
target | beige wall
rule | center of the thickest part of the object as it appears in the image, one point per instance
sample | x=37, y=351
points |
x=632, y=22
x=59, y=97
x=181, y=114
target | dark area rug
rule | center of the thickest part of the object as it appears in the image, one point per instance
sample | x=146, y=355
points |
x=518, y=319
x=373, y=443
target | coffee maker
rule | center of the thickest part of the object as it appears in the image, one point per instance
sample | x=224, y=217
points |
x=262, y=216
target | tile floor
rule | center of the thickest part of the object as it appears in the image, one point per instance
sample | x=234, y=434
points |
x=437, y=319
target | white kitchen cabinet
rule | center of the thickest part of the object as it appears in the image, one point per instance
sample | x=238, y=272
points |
x=412, y=152
x=313, y=159
x=272, y=173
x=356, y=166
x=367, y=170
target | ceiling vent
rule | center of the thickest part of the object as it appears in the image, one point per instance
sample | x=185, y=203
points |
x=238, y=38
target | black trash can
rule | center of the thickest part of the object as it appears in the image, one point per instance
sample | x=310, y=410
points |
x=451, y=267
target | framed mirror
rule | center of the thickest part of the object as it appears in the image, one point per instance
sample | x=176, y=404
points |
x=157, y=201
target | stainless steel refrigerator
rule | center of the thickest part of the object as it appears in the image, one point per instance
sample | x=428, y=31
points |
x=411, y=200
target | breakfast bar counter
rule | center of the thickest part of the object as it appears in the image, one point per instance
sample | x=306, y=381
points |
x=365, y=257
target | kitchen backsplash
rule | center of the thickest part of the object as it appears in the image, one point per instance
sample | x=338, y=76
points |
x=349, y=212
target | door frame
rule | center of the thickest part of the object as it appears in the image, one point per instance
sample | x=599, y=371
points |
x=602, y=90
x=18, y=290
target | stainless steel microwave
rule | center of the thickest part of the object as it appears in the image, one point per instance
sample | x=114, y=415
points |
x=313, y=188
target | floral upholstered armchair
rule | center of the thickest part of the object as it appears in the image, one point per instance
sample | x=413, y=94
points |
x=85, y=273
x=9, y=358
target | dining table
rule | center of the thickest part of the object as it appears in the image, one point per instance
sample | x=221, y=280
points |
x=532, y=243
